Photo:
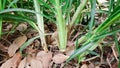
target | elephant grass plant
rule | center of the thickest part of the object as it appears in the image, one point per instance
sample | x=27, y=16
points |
x=65, y=14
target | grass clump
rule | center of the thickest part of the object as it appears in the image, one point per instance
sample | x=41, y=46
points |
x=66, y=14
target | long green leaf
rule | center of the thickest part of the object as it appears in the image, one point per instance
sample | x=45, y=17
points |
x=77, y=13
x=46, y=5
x=14, y=1
x=80, y=51
x=117, y=47
x=1, y=7
x=106, y=34
x=20, y=18
x=93, y=3
x=108, y=22
x=25, y=10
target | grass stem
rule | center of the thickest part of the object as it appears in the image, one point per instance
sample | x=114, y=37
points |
x=40, y=24
x=61, y=26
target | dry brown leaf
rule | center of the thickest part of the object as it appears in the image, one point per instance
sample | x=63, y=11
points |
x=16, y=45
x=54, y=36
x=84, y=66
x=59, y=58
x=70, y=50
x=22, y=63
x=45, y=58
x=13, y=62
x=22, y=27
x=70, y=43
x=31, y=33
x=97, y=66
x=25, y=63
x=3, y=48
x=36, y=63
x=8, y=27
x=91, y=65
x=27, y=66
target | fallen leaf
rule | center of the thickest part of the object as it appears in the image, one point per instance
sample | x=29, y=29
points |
x=25, y=63
x=70, y=50
x=84, y=66
x=21, y=27
x=8, y=27
x=59, y=58
x=55, y=43
x=16, y=45
x=36, y=63
x=3, y=48
x=45, y=58
x=32, y=33
x=54, y=39
x=115, y=65
x=22, y=63
x=70, y=43
x=97, y=66
x=54, y=36
x=91, y=65
x=13, y=62
x=27, y=66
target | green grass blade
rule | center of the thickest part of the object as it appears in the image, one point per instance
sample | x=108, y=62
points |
x=118, y=3
x=1, y=7
x=46, y=5
x=25, y=10
x=108, y=22
x=11, y=3
x=110, y=7
x=77, y=13
x=4, y=3
x=67, y=6
x=92, y=15
x=0, y=27
x=92, y=52
x=20, y=18
x=117, y=47
x=102, y=11
x=80, y=51
x=15, y=16
x=52, y=2
x=106, y=34
x=67, y=11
